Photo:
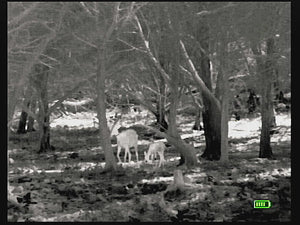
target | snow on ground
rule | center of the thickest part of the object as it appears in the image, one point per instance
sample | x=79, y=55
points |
x=89, y=119
x=237, y=129
x=283, y=120
x=78, y=120
x=251, y=127
x=244, y=128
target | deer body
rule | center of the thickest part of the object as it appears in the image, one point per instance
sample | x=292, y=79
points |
x=127, y=139
x=154, y=149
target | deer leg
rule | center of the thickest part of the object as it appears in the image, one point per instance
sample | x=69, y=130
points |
x=126, y=152
x=161, y=159
x=118, y=153
x=136, y=153
x=129, y=154
x=150, y=157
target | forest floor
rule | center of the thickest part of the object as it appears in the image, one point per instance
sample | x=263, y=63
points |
x=68, y=184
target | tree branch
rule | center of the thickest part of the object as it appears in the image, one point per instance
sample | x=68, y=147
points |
x=84, y=41
x=196, y=76
x=149, y=53
x=17, y=19
x=142, y=101
x=27, y=24
x=132, y=47
x=86, y=8
x=67, y=94
x=197, y=103
x=215, y=11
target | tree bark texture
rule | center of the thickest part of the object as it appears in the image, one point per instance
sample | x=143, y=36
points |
x=267, y=75
x=211, y=117
x=224, y=101
x=104, y=133
x=110, y=162
x=40, y=82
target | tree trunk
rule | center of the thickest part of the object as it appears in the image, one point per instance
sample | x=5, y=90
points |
x=187, y=153
x=224, y=101
x=211, y=117
x=172, y=128
x=31, y=119
x=161, y=106
x=110, y=161
x=41, y=81
x=160, y=119
x=212, y=132
x=267, y=75
x=45, y=136
x=22, y=123
x=26, y=102
x=212, y=110
x=224, y=129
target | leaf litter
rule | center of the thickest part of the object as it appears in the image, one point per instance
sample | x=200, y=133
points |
x=68, y=184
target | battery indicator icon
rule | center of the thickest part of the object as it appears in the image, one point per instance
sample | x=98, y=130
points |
x=262, y=204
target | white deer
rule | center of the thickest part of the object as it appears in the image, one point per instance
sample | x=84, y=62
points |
x=127, y=139
x=154, y=149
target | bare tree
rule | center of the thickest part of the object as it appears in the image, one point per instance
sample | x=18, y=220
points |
x=173, y=82
x=108, y=20
x=267, y=77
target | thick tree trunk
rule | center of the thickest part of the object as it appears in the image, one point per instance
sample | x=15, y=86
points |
x=211, y=117
x=41, y=81
x=265, y=150
x=212, y=132
x=45, y=136
x=267, y=75
x=110, y=161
